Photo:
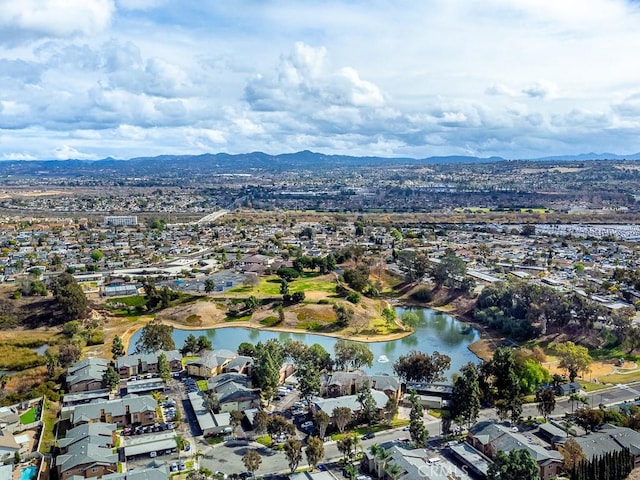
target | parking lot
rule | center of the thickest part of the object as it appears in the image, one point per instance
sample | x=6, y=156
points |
x=174, y=422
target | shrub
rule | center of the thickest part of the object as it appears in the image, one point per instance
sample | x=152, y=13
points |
x=422, y=294
x=353, y=297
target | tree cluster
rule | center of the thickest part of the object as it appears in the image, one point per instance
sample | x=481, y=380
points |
x=609, y=466
x=69, y=296
x=155, y=336
x=523, y=310
x=422, y=367
x=194, y=346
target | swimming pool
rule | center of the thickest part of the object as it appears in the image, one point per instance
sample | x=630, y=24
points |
x=29, y=473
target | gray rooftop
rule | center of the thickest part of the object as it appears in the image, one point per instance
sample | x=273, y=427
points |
x=203, y=415
x=350, y=401
x=92, y=411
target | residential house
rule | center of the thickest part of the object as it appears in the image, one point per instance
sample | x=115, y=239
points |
x=210, y=363
x=413, y=464
x=157, y=471
x=338, y=384
x=8, y=417
x=234, y=392
x=611, y=438
x=490, y=438
x=147, y=363
x=86, y=460
x=8, y=445
x=327, y=405
x=130, y=410
x=103, y=434
x=86, y=375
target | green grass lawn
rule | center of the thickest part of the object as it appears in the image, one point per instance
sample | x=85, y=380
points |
x=133, y=301
x=590, y=386
x=621, y=377
x=395, y=423
x=28, y=417
x=270, y=286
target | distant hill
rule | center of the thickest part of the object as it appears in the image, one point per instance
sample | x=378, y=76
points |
x=589, y=156
x=224, y=163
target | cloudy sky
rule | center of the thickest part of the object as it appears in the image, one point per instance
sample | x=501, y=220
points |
x=124, y=78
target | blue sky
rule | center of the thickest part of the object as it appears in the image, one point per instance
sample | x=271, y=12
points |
x=125, y=78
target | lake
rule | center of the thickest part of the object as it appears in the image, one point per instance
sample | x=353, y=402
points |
x=436, y=331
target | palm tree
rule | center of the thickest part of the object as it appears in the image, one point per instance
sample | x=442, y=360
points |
x=394, y=471
x=196, y=458
x=382, y=456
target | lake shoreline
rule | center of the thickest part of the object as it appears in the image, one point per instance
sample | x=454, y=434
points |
x=438, y=330
x=253, y=326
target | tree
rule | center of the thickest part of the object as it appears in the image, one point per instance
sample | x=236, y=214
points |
x=51, y=361
x=190, y=345
x=278, y=425
x=68, y=354
x=322, y=421
x=69, y=296
x=546, y=399
x=204, y=343
x=155, y=336
x=314, y=451
x=261, y=421
x=268, y=360
x=71, y=328
x=298, y=297
x=110, y=378
x=117, y=347
x=589, y=418
x=319, y=357
x=528, y=229
x=410, y=319
x=368, y=408
x=449, y=272
x=465, y=398
x=421, y=367
x=419, y=433
x=506, y=384
x=293, y=451
x=352, y=355
x=4, y=379
x=209, y=285
x=212, y=403
x=164, y=369
x=572, y=454
x=96, y=255
x=247, y=349
x=394, y=471
x=342, y=417
x=284, y=289
x=357, y=278
x=252, y=461
x=347, y=445
x=574, y=358
x=517, y=465
x=236, y=418
x=344, y=315
x=389, y=315
x=308, y=380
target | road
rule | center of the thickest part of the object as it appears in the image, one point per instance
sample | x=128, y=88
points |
x=229, y=459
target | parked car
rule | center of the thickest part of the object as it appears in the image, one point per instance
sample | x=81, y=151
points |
x=368, y=436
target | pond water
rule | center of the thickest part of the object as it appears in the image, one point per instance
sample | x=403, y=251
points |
x=436, y=331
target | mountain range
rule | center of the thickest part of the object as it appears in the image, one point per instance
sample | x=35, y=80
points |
x=256, y=161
